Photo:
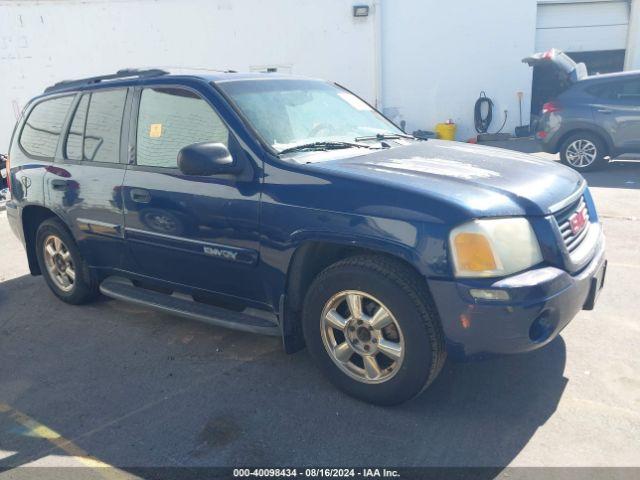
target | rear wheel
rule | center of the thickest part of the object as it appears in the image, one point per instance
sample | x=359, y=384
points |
x=583, y=151
x=371, y=327
x=61, y=264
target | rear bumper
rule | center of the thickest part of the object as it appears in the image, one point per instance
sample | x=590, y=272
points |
x=548, y=141
x=15, y=223
x=548, y=132
x=541, y=303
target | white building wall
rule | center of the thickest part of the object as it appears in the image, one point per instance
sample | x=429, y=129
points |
x=632, y=57
x=437, y=56
x=42, y=42
x=426, y=60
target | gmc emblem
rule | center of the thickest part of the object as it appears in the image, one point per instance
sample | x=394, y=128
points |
x=577, y=221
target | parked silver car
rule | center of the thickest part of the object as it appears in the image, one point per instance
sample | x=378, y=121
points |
x=593, y=118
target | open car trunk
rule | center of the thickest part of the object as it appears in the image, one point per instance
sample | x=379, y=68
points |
x=553, y=72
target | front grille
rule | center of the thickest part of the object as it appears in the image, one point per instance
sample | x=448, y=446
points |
x=572, y=240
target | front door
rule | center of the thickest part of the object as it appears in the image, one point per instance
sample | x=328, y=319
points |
x=201, y=232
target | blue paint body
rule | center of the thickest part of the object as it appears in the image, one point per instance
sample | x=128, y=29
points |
x=402, y=201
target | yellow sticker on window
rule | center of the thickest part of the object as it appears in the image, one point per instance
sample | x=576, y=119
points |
x=155, y=130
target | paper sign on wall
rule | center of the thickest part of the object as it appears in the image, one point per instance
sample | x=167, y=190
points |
x=155, y=130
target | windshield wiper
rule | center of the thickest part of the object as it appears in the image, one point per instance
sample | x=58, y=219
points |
x=323, y=146
x=384, y=136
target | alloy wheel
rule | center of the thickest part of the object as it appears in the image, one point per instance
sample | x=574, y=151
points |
x=362, y=337
x=59, y=263
x=581, y=153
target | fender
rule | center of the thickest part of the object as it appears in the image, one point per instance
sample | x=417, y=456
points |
x=376, y=244
x=315, y=250
x=26, y=233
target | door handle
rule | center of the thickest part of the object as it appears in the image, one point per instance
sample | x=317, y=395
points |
x=59, y=185
x=139, y=195
x=604, y=110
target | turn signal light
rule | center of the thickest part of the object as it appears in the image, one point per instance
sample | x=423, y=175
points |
x=474, y=252
x=487, y=294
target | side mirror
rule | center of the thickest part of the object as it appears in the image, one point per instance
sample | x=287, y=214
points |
x=206, y=158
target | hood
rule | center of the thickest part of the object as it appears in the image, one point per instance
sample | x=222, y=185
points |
x=482, y=181
x=559, y=60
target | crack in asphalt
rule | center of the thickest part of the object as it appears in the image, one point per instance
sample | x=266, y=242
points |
x=616, y=217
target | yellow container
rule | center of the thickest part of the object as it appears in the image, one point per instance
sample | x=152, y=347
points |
x=446, y=131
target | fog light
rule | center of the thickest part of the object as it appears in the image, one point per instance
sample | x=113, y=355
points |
x=542, y=328
x=483, y=294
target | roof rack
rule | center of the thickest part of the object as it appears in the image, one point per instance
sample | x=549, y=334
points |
x=126, y=73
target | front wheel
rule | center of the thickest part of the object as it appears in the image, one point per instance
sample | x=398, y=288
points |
x=583, y=152
x=370, y=325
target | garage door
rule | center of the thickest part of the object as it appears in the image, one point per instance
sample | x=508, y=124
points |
x=582, y=26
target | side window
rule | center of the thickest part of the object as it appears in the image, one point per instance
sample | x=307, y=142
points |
x=629, y=89
x=170, y=119
x=42, y=129
x=75, y=138
x=606, y=91
x=94, y=134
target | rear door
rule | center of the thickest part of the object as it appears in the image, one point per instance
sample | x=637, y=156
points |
x=35, y=147
x=83, y=185
x=201, y=232
x=616, y=107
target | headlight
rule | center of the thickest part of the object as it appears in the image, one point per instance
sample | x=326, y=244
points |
x=493, y=247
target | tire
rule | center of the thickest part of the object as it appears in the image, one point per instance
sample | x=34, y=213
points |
x=414, y=329
x=82, y=287
x=584, y=152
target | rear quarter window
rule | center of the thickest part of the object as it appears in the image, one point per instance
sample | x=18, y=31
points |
x=619, y=90
x=41, y=131
x=94, y=134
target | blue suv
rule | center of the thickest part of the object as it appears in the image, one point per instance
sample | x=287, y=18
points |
x=289, y=206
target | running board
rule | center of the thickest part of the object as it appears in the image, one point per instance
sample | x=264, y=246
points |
x=122, y=289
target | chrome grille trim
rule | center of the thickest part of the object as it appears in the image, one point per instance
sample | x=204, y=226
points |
x=571, y=241
x=571, y=199
x=577, y=240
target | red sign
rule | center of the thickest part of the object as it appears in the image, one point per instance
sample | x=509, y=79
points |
x=578, y=221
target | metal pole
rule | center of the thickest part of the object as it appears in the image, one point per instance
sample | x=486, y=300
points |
x=377, y=52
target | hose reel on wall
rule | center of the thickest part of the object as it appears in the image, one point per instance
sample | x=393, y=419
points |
x=483, y=114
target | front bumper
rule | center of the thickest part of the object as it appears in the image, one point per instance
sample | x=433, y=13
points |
x=542, y=302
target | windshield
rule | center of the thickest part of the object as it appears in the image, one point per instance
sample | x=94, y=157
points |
x=288, y=112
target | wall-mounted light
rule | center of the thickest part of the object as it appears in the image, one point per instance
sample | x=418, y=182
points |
x=361, y=10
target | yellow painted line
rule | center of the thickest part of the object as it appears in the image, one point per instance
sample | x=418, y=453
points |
x=6, y=454
x=38, y=430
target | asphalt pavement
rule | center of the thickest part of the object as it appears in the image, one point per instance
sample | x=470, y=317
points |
x=116, y=384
